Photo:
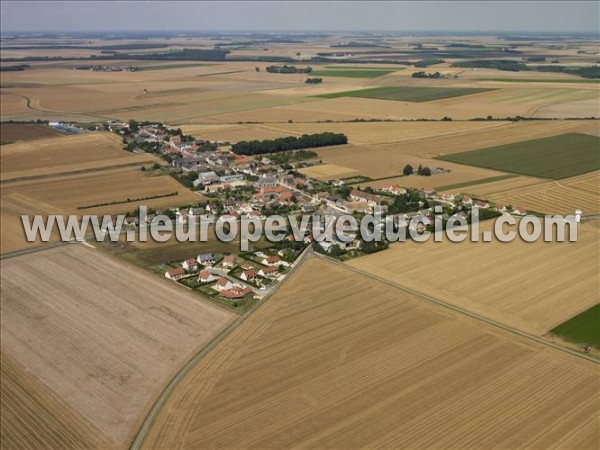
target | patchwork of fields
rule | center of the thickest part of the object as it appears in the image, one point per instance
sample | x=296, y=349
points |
x=524, y=285
x=555, y=157
x=101, y=339
x=115, y=191
x=339, y=360
x=390, y=350
x=408, y=94
x=66, y=153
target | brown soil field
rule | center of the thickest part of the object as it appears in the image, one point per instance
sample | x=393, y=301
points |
x=529, y=286
x=101, y=337
x=64, y=195
x=556, y=197
x=338, y=360
x=11, y=132
x=66, y=153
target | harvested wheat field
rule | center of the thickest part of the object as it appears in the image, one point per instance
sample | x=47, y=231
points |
x=339, y=360
x=556, y=197
x=385, y=132
x=66, y=153
x=107, y=192
x=328, y=172
x=98, y=340
x=523, y=285
x=56, y=425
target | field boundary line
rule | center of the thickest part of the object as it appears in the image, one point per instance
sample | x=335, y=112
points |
x=463, y=311
x=75, y=172
x=199, y=356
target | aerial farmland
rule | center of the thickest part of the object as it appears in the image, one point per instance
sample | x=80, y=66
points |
x=237, y=340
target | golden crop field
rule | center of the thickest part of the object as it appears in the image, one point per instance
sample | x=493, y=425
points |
x=55, y=90
x=556, y=197
x=388, y=159
x=328, y=172
x=66, y=153
x=95, y=340
x=67, y=194
x=339, y=360
x=499, y=104
x=365, y=133
x=529, y=286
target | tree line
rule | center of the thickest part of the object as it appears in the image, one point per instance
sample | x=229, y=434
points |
x=288, y=69
x=289, y=143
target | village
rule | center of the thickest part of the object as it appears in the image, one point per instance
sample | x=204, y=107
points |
x=236, y=186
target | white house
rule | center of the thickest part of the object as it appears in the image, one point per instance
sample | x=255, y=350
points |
x=206, y=277
x=175, y=274
x=190, y=264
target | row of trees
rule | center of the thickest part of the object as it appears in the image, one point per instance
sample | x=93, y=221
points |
x=289, y=143
x=314, y=80
x=423, y=171
x=423, y=74
x=288, y=69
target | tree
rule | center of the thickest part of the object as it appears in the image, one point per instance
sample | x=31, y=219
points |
x=134, y=125
x=426, y=172
x=408, y=170
x=420, y=170
x=257, y=69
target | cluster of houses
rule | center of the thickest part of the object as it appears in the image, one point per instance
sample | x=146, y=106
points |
x=242, y=186
x=263, y=269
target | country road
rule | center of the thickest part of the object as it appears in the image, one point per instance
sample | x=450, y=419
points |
x=156, y=408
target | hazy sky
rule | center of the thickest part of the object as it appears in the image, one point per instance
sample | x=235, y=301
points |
x=302, y=15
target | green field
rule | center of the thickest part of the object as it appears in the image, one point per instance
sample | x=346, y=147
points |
x=556, y=157
x=407, y=94
x=583, y=328
x=540, y=80
x=353, y=73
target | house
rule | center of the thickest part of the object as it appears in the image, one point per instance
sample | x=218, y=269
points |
x=365, y=197
x=175, y=274
x=206, y=259
x=266, y=181
x=448, y=197
x=519, y=210
x=190, y=264
x=271, y=260
x=481, y=204
x=229, y=261
x=394, y=190
x=224, y=284
x=248, y=275
x=498, y=207
x=207, y=178
x=235, y=293
x=268, y=272
x=206, y=277
x=467, y=200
